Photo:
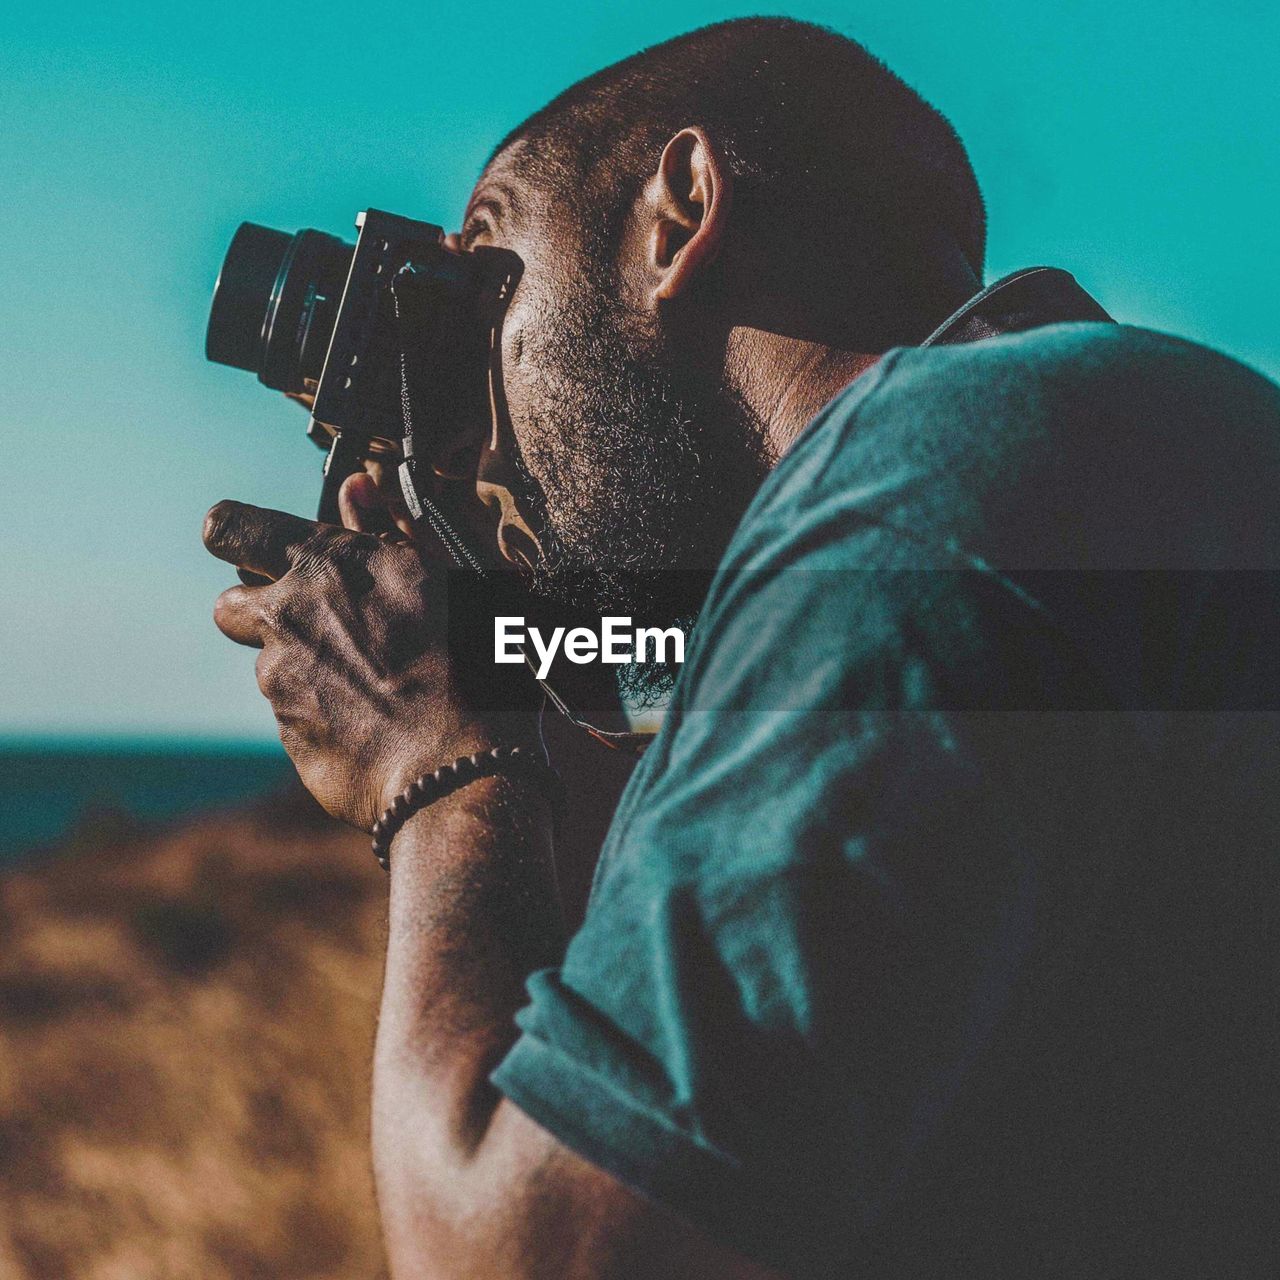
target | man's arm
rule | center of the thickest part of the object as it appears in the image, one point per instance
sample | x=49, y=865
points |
x=468, y=1185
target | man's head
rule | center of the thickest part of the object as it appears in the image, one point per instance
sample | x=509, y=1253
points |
x=715, y=234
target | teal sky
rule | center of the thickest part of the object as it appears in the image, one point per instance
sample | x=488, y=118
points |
x=1134, y=144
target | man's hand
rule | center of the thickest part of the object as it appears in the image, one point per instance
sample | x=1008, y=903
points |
x=354, y=661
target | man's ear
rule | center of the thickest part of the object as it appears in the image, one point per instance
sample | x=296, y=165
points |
x=687, y=204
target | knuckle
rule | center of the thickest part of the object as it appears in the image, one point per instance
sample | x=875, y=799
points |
x=322, y=563
x=338, y=545
x=384, y=553
x=313, y=557
x=330, y=557
x=278, y=615
x=399, y=571
x=268, y=670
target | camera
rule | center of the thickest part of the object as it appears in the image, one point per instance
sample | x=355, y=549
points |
x=391, y=334
x=396, y=338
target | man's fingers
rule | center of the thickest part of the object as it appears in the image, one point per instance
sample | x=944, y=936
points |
x=238, y=614
x=361, y=504
x=256, y=538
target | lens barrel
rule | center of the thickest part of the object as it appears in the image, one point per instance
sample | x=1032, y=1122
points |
x=276, y=302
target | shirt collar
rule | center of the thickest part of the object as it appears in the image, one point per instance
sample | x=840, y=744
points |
x=1025, y=299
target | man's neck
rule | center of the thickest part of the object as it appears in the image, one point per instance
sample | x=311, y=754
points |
x=786, y=381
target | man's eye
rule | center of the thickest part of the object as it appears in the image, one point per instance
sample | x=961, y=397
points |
x=475, y=228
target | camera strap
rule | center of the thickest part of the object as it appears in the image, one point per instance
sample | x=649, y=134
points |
x=424, y=509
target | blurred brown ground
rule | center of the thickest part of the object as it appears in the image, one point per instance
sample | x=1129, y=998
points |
x=186, y=1022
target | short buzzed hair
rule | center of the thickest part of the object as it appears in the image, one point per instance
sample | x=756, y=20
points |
x=814, y=128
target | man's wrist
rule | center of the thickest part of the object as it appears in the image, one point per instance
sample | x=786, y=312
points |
x=512, y=789
x=498, y=800
x=523, y=733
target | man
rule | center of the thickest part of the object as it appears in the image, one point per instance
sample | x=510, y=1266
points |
x=933, y=934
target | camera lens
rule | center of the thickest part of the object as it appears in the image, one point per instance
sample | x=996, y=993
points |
x=275, y=304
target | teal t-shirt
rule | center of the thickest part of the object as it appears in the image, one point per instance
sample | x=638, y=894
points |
x=927, y=935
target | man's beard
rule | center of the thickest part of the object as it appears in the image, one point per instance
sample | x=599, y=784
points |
x=639, y=469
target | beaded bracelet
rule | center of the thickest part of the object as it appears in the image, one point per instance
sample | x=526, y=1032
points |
x=514, y=762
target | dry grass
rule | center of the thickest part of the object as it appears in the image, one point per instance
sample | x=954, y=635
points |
x=185, y=1030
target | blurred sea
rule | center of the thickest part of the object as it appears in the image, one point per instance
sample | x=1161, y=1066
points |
x=48, y=786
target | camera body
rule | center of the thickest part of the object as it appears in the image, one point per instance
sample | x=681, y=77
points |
x=364, y=328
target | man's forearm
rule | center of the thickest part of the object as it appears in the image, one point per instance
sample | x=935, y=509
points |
x=473, y=910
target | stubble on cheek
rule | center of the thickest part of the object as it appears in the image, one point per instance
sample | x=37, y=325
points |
x=633, y=467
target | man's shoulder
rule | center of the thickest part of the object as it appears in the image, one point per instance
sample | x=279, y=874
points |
x=1104, y=362
x=1088, y=353
x=1111, y=366
x=1011, y=438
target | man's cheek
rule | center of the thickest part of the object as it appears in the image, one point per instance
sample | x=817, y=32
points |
x=527, y=316
x=513, y=343
x=535, y=396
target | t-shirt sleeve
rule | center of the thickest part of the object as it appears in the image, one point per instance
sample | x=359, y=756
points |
x=813, y=901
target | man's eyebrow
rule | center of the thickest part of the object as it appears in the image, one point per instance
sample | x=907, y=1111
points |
x=497, y=205
x=473, y=226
